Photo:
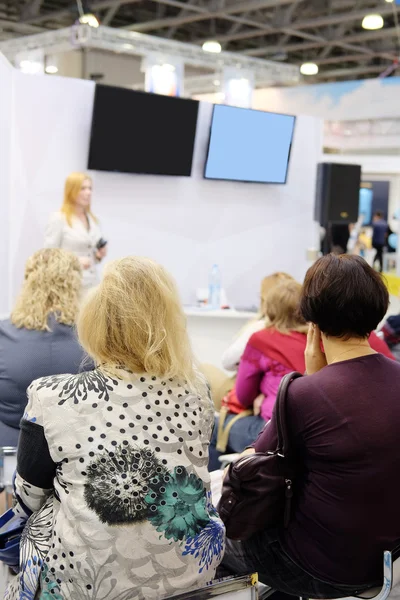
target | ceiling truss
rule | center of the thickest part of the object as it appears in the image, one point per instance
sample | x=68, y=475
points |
x=293, y=31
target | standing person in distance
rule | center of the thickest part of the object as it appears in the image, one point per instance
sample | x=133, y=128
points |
x=379, y=237
x=75, y=228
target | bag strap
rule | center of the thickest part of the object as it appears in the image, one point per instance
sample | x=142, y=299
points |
x=223, y=432
x=280, y=412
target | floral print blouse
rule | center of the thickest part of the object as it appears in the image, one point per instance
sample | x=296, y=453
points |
x=114, y=469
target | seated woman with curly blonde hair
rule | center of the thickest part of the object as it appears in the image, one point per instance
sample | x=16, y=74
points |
x=39, y=338
x=118, y=481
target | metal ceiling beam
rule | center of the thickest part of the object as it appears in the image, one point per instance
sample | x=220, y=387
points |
x=338, y=73
x=347, y=41
x=184, y=11
x=331, y=60
x=31, y=9
x=66, y=12
x=21, y=28
x=340, y=44
x=340, y=31
x=136, y=44
x=112, y=11
x=204, y=14
x=299, y=25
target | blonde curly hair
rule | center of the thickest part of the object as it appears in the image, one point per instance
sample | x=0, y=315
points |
x=52, y=285
x=134, y=318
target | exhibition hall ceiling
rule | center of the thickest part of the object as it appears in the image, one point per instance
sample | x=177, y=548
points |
x=326, y=32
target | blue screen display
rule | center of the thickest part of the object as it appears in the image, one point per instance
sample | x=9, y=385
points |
x=249, y=145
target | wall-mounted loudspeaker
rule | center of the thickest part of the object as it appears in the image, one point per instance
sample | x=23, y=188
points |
x=338, y=193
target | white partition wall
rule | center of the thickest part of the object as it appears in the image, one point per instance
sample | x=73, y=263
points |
x=186, y=223
x=6, y=92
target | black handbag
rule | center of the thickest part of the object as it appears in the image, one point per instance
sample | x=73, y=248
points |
x=258, y=488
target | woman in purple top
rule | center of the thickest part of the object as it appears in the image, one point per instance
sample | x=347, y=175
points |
x=344, y=423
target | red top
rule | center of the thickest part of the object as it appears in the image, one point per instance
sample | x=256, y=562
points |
x=380, y=345
x=268, y=356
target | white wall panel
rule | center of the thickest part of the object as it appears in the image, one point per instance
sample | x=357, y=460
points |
x=186, y=223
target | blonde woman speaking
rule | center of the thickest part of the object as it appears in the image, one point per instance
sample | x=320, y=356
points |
x=76, y=229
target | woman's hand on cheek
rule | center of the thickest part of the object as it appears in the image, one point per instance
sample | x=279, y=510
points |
x=314, y=357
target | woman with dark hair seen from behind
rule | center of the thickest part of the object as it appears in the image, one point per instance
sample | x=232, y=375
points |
x=39, y=338
x=343, y=420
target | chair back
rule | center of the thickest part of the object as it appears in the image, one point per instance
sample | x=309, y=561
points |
x=391, y=579
x=8, y=466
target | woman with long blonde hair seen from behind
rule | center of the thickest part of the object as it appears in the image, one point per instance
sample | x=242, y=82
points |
x=39, y=338
x=75, y=228
x=126, y=453
x=269, y=354
x=233, y=354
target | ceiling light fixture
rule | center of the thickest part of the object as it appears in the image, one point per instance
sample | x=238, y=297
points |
x=372, y=22
x=212, y=46
x=32, y=67
x=51, y=69
x=309, y=69
x=89, y=19
x=216, y=82
x=389, y=1
x=86, y=17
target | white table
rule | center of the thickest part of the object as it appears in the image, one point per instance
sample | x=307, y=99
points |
x=211, y=331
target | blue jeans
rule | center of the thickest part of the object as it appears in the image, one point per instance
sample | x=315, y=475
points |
x=243, y=433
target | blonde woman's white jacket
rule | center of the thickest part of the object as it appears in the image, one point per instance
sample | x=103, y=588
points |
x=77, y=239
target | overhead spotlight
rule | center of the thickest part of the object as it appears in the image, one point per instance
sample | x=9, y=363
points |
x=51, y=69
x=32, y=67
x=51, y=64
x=216, y=82
x=372, y=22
x=389, y=1
x=89, y=19
x=212, y=46
x=309, y=69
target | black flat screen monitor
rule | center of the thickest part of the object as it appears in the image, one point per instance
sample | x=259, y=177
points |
x=249, y=145
x=136, y=132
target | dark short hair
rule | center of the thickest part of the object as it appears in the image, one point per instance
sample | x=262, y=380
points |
x=378, y=214
x=344, y=296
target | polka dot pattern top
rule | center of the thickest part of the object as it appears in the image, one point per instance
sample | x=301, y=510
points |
x=131, y=513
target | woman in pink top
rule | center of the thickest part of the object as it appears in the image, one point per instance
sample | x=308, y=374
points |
x=268, y=356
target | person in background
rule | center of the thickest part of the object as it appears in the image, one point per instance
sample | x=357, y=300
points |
x=233, y=354
x=113, y=463
x=391, y=333
x=38, y=339
x=343, y=420
x=75, y=228
x=340, y=235
x=380, y=345
x=379, y=237
x=270, y=354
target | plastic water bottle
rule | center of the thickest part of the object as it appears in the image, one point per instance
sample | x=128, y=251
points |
x=215, y=288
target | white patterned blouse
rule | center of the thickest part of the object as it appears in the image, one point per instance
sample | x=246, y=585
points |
x=114, y=468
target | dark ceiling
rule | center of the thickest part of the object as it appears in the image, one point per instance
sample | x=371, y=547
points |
x=327, y=32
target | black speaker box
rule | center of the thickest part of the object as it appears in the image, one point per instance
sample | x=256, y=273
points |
x=338, y=193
